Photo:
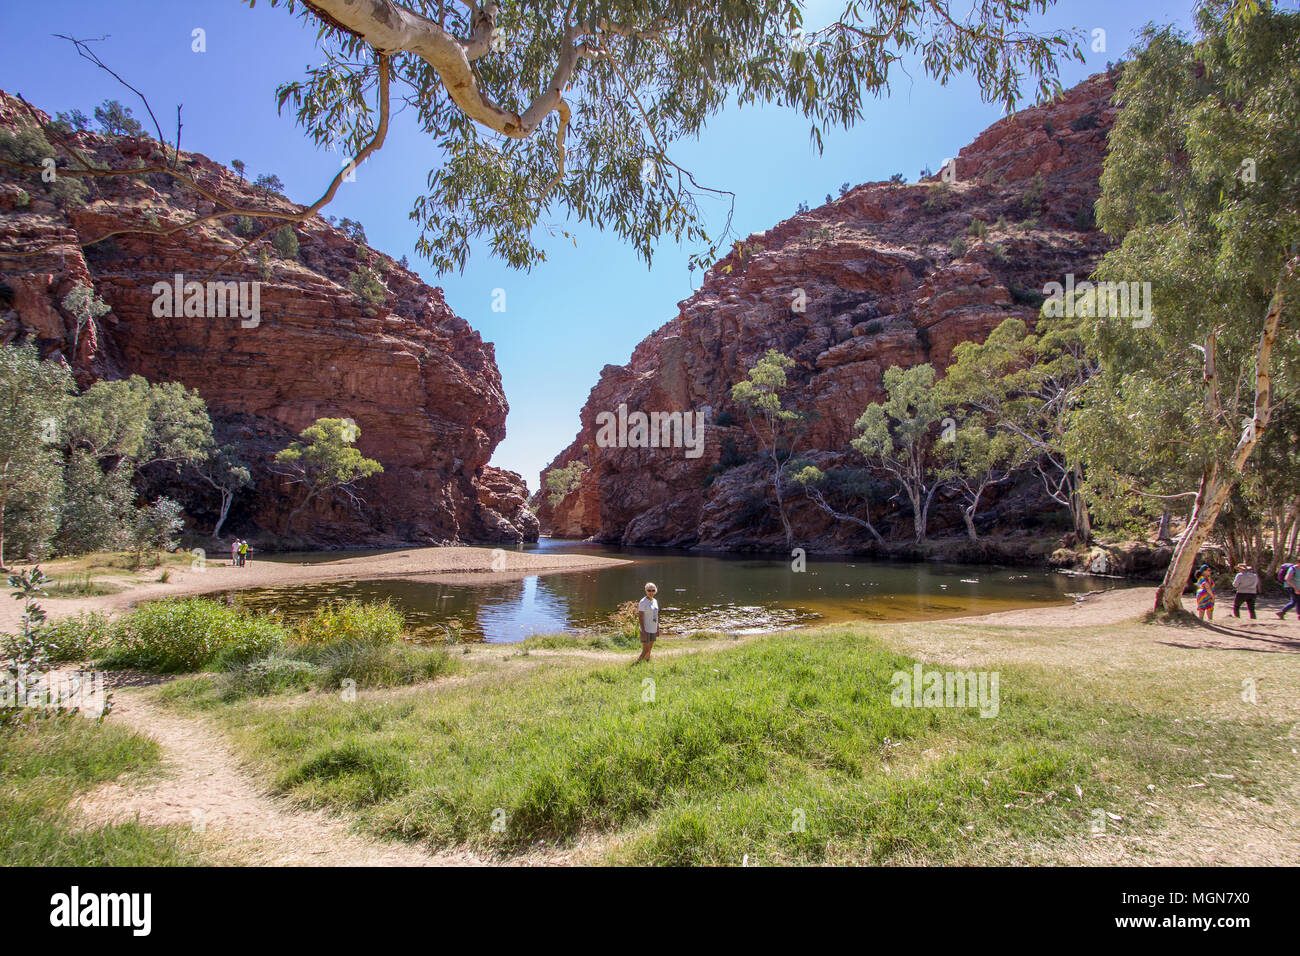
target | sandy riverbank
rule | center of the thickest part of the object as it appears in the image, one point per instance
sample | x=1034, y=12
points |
x=452, y=565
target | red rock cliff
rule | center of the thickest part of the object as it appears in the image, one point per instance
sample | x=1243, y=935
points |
x=893, y=274
x=419, y=382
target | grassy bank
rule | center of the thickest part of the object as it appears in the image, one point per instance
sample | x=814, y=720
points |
x=777, y=750
x=45, y=764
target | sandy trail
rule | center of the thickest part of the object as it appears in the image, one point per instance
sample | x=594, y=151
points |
x=450, y=565
x=203, y=787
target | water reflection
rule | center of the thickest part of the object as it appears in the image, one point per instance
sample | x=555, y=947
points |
x=696, y=592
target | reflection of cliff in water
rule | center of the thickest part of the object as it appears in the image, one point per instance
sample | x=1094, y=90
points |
x=696, y=593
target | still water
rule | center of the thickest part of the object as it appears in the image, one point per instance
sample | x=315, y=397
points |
x=696, y=592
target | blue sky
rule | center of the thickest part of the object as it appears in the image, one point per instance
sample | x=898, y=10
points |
x=584, y=308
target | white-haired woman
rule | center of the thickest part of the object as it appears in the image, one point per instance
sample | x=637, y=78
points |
x=647, y=612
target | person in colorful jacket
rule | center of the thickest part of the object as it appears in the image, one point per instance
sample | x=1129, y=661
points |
x=1204, y=593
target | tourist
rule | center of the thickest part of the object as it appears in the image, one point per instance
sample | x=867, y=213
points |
x=1291, y=580
x=234, y=552
x=1204, y=593
x=1246, y=584
x=243, y=553
x=647, y=614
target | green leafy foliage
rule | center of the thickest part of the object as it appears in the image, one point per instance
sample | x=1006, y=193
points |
x=325, y=461
x=188, y=635
x=560, y=482
x=664, y=70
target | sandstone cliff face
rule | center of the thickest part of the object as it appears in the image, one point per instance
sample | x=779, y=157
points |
x=885, y=284
x=421, y=384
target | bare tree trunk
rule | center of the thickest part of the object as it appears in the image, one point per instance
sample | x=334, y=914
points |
x=1079, y=507
x=1217, y=482
x=780, y=499
x=820, y=501
x=1210, y=499
x=1162, y=533
x=226, y=498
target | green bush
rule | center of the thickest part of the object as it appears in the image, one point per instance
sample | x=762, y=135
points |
x=285, y=242
x=80, y=638
x=374, y=622
x=27, y=146
x=188, y=635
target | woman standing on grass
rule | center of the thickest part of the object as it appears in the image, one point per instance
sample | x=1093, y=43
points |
x=1205, y=593
x=647, y=615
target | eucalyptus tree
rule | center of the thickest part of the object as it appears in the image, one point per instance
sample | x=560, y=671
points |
x=325, y=461
x=223, y=471
x=897, y=437
x=1200, y=181
x=1027, y=383
x=975, y=457
x=574, y=104
x=569, y=108
x=773, y=426
x=34, y=396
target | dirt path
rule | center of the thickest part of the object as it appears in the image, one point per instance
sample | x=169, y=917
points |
x=203, y=786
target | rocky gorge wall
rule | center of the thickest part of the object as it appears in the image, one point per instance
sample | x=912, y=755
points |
x=893, y=274
x=420, y=383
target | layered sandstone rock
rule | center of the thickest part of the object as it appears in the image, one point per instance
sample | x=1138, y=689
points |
x=421, y=385
x=891, y=275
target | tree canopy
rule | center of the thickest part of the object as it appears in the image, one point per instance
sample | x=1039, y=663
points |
x=571, y=106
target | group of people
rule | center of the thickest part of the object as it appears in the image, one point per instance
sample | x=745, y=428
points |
x=238, y=553
x=1246, y=586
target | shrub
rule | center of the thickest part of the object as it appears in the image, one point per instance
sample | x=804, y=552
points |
x=939, y=198
x=977, y=229
x=1085, y=218
x=28, y=146
x=1024, y=296
x=957, y=247
x=1031, y=197
x=1086, y=121
x=80, y=638
x=188, y=635
x=285, y=242
x=375, y=623
x=368, y=287
x=243, y=226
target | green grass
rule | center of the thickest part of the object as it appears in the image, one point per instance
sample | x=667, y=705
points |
x=598, y=641
x=735, y=747
x=80, y=585
x=44, y=764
